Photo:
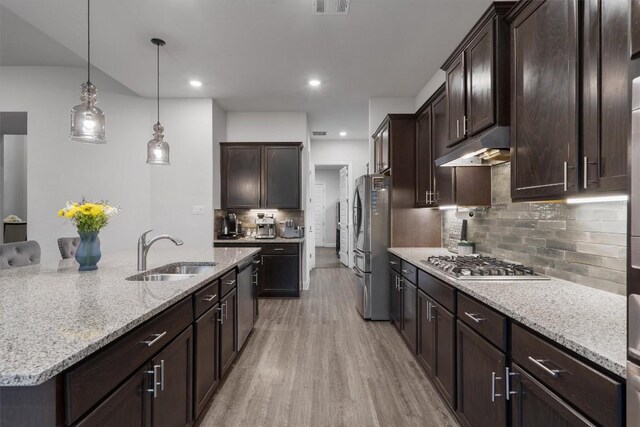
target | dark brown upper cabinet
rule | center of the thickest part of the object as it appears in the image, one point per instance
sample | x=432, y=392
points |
x=606, y=101
x=441, y=186
x=382, y=147
x=477, y=77
x=570, y=100
x=260, y=175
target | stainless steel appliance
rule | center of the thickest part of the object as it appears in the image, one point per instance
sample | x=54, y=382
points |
x=371, y=218
x=633, y=269
x=246, y=296
x=265, y=226
x=228, y=227
x=475, y=267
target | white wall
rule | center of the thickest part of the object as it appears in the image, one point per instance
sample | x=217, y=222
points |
x=379, y=108
x=60, y=170
x=355, y=151
x=15, y=176
x=188, y=182
x=219, y=135
x=331, y=180
x=430, y=88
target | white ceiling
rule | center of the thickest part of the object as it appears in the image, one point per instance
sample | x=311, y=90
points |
x=251, y=55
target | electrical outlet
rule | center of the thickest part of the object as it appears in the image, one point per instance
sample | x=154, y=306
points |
x=197, y=210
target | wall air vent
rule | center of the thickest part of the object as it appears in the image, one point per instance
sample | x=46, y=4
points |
x=319, y=133
x=331, y=7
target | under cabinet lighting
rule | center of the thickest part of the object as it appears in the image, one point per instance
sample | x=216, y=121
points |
x=448, y=207
x=195, y=83
x=600, y=199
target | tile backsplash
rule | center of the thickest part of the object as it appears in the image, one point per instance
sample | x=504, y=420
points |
x=584, y=243
x=248, y=217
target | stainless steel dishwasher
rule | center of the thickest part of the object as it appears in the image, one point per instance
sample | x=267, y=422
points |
x=246, y=296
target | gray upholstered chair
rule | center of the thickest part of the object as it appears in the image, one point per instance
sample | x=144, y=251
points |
x=68, y=246
x=19, y=254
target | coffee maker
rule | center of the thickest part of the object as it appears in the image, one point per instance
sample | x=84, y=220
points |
x=265, y=226
x=229, y=227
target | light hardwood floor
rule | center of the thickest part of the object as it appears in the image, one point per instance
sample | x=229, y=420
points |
x=314, y=362
x=327, y=258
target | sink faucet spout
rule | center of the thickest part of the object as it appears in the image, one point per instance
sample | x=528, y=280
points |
x=144, y=246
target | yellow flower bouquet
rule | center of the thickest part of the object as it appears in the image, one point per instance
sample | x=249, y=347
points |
x=89, y=218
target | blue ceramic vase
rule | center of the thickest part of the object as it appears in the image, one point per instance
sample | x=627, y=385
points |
x=88, y=253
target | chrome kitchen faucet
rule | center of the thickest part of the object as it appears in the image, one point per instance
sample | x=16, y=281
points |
x=143, y=247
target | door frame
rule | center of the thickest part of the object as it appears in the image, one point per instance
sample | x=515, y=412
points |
x=350, y=188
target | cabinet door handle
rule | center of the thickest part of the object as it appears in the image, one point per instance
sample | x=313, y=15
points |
x=494, y=378
x=226, y=310
x=209, y=298
x=507, y=379
x=474, y=317
x=586, y=172
x=161, y=375
x=429, y=307
x=400, y=287
x=220, y=310
x=565, y=169
x=464, y=125
x=540, y=363
x=154, y=379
x=457, y=128
x=157, y=338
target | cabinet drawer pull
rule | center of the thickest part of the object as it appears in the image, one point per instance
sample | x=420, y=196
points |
x=278, y=249
x=540, y=363
x=393, y=262
x=209, y=298
x=405, y=271
x=231, y=282
x=494, y=378
x=256, y=261
x=157, y=338
x=474, y=317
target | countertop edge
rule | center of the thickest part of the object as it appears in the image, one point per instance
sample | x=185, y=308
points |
x=603, y=361
x=30, y=379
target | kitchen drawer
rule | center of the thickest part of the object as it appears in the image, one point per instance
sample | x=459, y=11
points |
x=206, y=298
x=484, y=320
x=280, y=249
x=228, y=282
x=395, y=263
x=598, y=396
x=438, y=290
x=409, y=272
x=99, y=374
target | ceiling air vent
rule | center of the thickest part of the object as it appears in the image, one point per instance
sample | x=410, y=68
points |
x=331, y=7
x=319, y=133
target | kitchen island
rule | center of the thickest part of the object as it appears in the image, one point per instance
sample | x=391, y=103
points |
x=55, y=320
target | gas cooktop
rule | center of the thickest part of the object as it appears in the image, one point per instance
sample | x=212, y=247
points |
x=475, y=267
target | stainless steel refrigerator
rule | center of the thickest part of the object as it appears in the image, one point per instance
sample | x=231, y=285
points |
x=371, y=215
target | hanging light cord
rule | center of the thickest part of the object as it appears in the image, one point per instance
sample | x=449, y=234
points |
x=89, y=41
x=158, y=79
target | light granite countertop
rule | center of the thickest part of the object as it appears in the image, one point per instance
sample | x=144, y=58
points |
x=588, y=321
x=250, y=240
x=52, y=316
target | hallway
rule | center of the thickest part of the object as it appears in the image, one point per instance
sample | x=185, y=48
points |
x=327, y=258
x=314, y=362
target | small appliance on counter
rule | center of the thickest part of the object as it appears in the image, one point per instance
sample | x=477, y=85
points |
x=229, y=227
x=291, y=231
x=265, y=226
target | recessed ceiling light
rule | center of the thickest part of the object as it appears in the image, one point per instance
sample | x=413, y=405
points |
x=314, y=82
x=195, y=83
x=343, y=133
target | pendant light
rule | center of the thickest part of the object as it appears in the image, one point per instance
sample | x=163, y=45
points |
x=157, y=148
x=87, y=120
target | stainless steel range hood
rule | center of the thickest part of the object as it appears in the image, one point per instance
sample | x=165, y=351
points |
x=488, y=148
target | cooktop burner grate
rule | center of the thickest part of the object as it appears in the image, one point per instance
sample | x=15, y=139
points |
x=475, y=267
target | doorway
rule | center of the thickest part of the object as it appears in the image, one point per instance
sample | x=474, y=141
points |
x=13, y=176
x=330, y=204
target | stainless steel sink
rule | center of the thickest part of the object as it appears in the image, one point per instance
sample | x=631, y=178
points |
x=174, y=272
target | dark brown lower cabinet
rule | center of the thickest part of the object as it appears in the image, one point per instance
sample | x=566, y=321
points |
x=206, y=376
x=172, y=404
x=279, y=276
x=395, y=300
x=481, y=371
x=427, y=331
x=126, y=407
x=228, y=331
x=533, y=405
x=409, y=324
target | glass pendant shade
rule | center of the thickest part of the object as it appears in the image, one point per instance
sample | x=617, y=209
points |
x=87, y=120
x=157, y=148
